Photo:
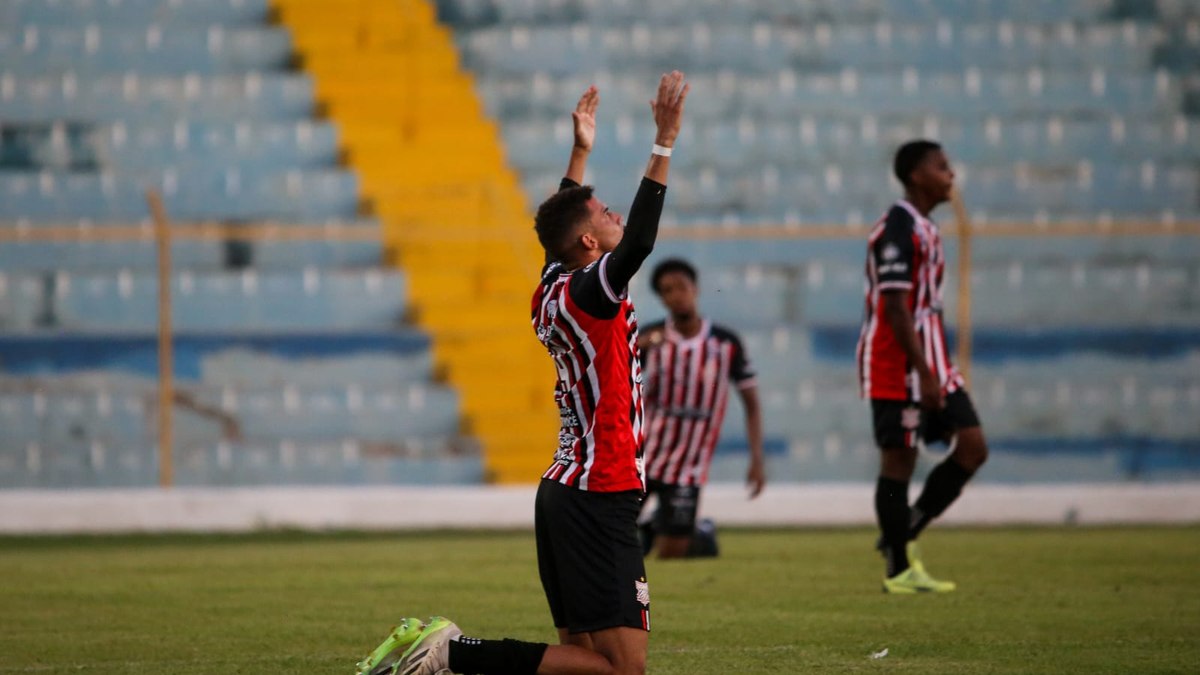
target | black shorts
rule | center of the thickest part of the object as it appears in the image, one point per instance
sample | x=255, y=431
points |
x=590, y=559
x=899, y=423
x=677, y=505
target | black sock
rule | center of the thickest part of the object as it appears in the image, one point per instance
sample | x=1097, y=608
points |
x=942, y=487
x=891, y=509
x=472, y=656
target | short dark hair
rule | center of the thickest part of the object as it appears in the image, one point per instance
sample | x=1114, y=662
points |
x=669, y=266
x=909, y=156
x=558, y=216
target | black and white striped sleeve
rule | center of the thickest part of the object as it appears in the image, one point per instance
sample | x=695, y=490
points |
x=894, y=253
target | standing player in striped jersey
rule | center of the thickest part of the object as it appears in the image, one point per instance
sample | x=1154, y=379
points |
x=905, y=368
x=585, y=514
x=690, y=364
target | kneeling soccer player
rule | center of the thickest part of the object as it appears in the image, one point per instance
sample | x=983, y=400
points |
x=585, y=515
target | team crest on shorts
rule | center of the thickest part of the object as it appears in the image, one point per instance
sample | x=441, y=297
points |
x=910, y=418
x=643, y=592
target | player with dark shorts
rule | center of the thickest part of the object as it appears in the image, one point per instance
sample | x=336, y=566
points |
x=690, y=363
x=585, y=514
x=904, y=368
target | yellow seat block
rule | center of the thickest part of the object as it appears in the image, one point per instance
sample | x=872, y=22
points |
x=526, y=426
x=421, y=60
x=430, y=132
x=433, y=168
x=444, y=160
x=431, y=188
x=334, y=88
x=536, y=404
x=376, y=15
x=520, y=459
x=529, y=396
x=453, y=319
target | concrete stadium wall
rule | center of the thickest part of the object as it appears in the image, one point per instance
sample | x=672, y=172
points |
x=386, y=508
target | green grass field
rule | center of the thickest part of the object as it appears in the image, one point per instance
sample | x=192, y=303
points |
x=777, y=601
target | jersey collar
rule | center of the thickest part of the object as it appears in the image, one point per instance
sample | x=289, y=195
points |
x=677, y=337
x=904, y=204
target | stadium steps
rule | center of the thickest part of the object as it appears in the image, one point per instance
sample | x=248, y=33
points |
x=433, y=170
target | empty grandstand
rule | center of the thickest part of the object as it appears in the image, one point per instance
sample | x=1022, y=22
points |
x=310, y=353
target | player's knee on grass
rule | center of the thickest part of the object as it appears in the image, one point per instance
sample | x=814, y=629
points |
x=624, y=648
x=632, y=665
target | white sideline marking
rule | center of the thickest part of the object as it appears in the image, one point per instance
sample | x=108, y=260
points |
x=389, y=508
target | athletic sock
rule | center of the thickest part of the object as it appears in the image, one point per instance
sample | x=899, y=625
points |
x=891, y=509
x=942, y=487
x=472, y=656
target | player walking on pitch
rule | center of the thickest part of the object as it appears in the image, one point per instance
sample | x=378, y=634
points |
x=689, y=364
x=905, y=369
x=589, y=558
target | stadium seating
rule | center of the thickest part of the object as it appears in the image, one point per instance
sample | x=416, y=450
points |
x=1068, y=112
x=305, y=346
x=1052, y=112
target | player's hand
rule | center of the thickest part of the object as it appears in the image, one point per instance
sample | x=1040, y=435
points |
x=932, y=398
x=668, y=107
x=756, y=479
x=585, y=118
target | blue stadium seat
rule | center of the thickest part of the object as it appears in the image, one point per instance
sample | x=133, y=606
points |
x=188, y=146
x=234, y=193
x=215, y=301
x=248, y=368
x=134, y=99
x=326, y=414
x=133, y=12
x=154, y=50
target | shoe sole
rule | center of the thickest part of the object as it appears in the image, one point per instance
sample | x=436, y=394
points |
x=903, y=590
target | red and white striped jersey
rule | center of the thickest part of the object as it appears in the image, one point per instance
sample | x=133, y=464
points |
x=687, y=390
x=904, y=252
x=591, y=333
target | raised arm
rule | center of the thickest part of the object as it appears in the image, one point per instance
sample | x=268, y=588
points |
x=668, y=115
x=641, y=229
x=584, y=118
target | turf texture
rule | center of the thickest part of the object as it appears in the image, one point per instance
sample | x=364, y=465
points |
x=776, y=601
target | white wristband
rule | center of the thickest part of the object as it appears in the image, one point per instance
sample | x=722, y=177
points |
x=660, y=150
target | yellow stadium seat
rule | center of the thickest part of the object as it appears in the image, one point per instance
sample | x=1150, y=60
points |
x=432, y=167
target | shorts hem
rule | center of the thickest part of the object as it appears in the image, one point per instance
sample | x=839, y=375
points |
x=603, y=625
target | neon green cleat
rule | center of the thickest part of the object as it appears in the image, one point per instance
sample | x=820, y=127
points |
x=914, y=560
x=916, y=580
x=389, y=653
x=430, y=653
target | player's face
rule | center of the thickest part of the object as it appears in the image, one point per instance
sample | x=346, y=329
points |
x=934, y=176
x=606, y=226
x=678, y=293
